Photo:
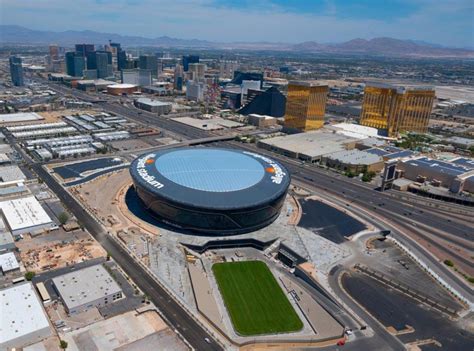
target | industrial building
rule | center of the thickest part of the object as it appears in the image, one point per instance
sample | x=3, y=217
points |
x=8, y=263
x=211, y=191
x=87, y=288
x=305, y=105
x=354, y=161
x=455, y=177
x=41, y=130
x=25, y=215
x=112, y=136
x=19, y=117
x=154, y=106
x=310, y=146
x=395, y=109
x=23, y=319
x=11, y=175
x=6, y=239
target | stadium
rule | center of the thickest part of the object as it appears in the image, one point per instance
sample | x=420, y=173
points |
x=209, y=190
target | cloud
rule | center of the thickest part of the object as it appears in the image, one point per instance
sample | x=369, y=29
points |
x=449, y=23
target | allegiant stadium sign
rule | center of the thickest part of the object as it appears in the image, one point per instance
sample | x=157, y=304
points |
x=278, y=173
x=143, y=172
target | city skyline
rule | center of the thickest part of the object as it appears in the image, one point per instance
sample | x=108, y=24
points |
x=271, y=21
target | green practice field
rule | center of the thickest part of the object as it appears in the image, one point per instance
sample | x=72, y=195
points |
x=255, y=301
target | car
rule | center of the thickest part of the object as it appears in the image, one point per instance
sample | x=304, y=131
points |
x=207, y=340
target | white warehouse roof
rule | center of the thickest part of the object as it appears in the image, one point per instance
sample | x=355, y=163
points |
x=24, y=213
x=22, y=316
x=20, y=117
x=8, y=262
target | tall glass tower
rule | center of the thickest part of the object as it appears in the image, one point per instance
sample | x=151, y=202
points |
x=396, y=110
x=305, y=105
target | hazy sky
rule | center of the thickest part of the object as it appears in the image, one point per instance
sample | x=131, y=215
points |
x=447, y=22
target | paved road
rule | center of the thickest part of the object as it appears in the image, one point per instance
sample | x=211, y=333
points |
x=174, y=313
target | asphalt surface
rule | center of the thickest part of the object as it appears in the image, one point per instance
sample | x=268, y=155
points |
x=176, y=316
x=427, y=218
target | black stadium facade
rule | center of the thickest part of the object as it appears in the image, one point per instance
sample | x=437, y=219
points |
x=209, y=190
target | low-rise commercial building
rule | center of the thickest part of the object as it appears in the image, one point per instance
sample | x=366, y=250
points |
x=154, y=106
x=354, y=161
x=25, y=215
x=310, y=146
x=449, y=175
x=8, y=263
x=23, y=319
x=86, y=288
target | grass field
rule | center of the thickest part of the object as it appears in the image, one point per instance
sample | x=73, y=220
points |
x=255, y=301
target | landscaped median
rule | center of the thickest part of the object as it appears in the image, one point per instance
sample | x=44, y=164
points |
x=254, y=299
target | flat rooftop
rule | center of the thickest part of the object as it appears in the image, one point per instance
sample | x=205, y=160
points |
x=20, y=117
x=313, y=144
x=8, y=262
x=85, y=285
x=152, y=102
x=438, y=166
x=355, y=157
x=22, y=312
x=24, y=213
x=11, y=174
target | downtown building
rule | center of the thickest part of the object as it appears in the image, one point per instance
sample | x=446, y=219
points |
x=395, y=110
x=16, y=71
x=189, y=59
x=305, y=106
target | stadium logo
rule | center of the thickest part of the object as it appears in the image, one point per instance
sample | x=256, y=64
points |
x=143, y=172
x=274, y=168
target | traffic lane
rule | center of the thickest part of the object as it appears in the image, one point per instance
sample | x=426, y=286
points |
x=394, y=226
x=175, y=314
x=373, y=200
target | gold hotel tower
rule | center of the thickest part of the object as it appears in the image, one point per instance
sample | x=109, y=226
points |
x=397, y=109
x=305, y=105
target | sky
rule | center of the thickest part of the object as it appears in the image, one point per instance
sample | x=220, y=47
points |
x=445, y=22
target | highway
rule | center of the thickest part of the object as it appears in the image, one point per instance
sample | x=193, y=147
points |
x=177, y=317
x=427, y=218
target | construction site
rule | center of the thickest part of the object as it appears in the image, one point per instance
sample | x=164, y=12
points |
x=57, y=250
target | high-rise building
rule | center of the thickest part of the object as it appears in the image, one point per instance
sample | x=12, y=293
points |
x=16, y=70
x=53, y=52
x=305, y=105
x=149, y=62
x=189, y=59
x=121, y=59
x=394, y=110
x=197, y=70
x=83, y=49
x=227, y=68
x=140, y=77
x=103, y=60
x=178, y=77
x=75, y=64
x=195, y=90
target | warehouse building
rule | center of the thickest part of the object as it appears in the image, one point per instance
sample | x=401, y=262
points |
x=354, y=161
x=23, y=319
x=10, y=175
x=21, y=117
x=310, y=146
x=87, y=288
x=154, y=106
x=449, y=175
x=25, y=215
x=8, y=263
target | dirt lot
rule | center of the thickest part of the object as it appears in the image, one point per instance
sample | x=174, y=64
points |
x=44, y=253
x=107, y=204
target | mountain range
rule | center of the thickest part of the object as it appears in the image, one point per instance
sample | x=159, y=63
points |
x=11, y=34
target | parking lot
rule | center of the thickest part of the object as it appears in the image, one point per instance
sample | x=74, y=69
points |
x=328, y=221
